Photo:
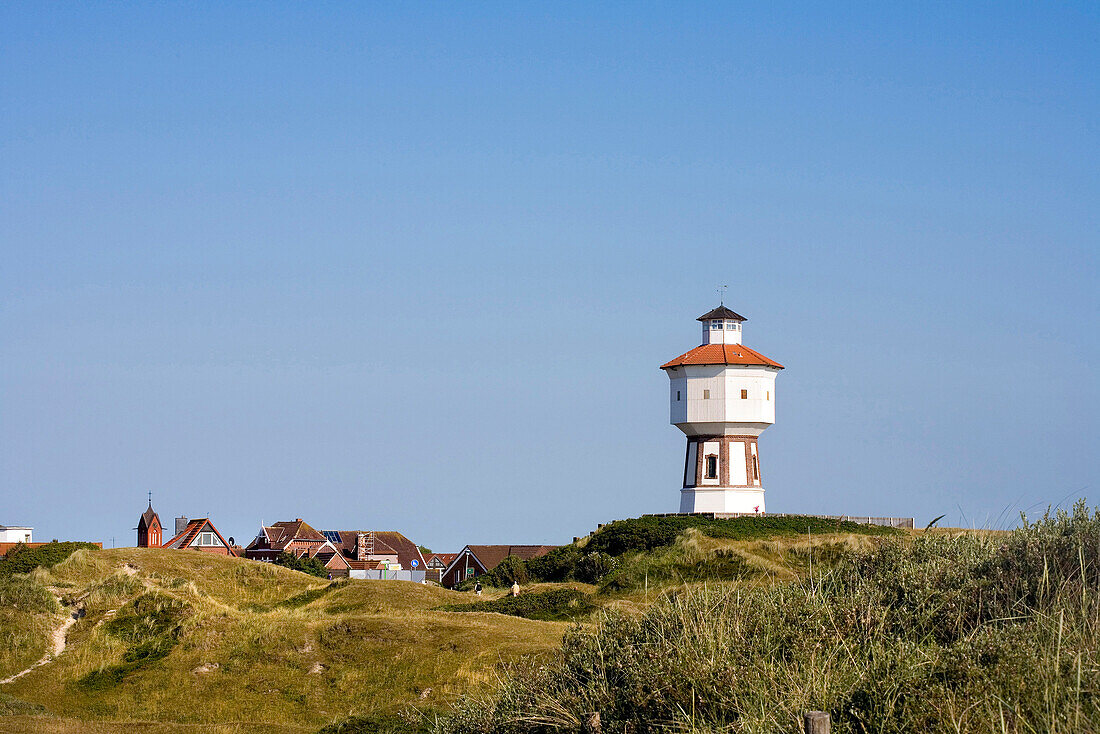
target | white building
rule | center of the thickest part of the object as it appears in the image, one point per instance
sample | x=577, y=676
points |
x=722, y=396
x=14, y=534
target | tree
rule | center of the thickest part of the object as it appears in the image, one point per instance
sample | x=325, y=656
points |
x=312, y=566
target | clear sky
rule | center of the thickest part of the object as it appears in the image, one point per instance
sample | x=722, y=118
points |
x=415, y=266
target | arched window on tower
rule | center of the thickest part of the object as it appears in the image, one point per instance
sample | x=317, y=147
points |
x=712, y=467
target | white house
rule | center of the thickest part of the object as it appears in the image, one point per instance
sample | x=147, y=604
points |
x=722, y=396
x=15, y=534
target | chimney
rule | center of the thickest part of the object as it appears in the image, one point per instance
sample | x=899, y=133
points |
x=361, y=547
x=181, y=524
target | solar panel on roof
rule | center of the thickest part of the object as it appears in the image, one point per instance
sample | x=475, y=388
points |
x=332, y=536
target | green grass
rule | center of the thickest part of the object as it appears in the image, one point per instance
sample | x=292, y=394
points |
x=27, y=614
x=252, y=642
x=946, y=633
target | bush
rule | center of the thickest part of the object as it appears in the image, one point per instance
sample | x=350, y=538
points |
x=22, y=559
x=555, y=605
x=312, y=566
x=650, y=532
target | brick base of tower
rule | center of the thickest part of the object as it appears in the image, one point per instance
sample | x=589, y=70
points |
x=745, y=501
x=722, y=474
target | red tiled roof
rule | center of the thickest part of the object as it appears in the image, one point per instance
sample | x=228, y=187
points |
x=490, y=556
x=281, y=534
x=444, y=558
x=386, y=543
x=187, y=536
x=722, y=354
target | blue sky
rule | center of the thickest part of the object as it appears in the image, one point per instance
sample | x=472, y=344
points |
x=414, y=267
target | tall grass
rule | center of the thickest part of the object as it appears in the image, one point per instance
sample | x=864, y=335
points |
x=943, y=634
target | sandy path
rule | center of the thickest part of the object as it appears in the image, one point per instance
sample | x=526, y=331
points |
x=57, y=642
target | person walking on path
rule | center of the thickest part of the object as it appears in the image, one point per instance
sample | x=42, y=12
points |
x=515, y=588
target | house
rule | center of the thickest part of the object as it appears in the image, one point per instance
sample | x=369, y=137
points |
x=388, y=546
x=474, y=560
x=299, y=539
x=436, y=563
x=149, y=529
x=200, y=534
x=15, y=534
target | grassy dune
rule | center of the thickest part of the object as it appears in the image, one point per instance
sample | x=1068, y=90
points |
x=27, y=614
x=194, y=639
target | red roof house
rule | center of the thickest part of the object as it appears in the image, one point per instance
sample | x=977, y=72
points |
x=474, y=560
x=377, y=545
x=200, y=534
x=299, y=539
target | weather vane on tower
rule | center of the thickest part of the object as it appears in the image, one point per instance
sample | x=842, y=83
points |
x=722, y=295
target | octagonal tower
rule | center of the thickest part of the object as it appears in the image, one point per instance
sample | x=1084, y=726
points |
x=722, y=396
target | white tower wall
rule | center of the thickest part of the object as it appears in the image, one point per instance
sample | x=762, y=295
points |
x=722, y=409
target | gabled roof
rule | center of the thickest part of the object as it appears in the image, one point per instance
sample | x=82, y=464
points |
x=444, y=558
x=326, y=556
x=722, y=354
x=282, y=534
x=490, y=556
x=189, y=533
x=147, y=518
x=721, y=313
x=386, y=543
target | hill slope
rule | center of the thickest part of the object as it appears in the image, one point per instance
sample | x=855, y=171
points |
x=192, y=638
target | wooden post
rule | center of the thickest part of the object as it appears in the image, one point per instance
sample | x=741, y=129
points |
x=816, y=722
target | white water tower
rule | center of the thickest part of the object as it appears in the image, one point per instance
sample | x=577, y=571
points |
x=722, y=396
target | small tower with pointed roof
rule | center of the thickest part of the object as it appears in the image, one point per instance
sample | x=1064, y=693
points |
x=149, y=529
x=722, y=396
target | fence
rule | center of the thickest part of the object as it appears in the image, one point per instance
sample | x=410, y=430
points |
x=370, y=575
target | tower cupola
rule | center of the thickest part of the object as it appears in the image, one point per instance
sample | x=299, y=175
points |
x=721, y=326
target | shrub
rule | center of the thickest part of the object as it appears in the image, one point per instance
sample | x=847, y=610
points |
x=312, y=566
x=555, y=605
x=23, y=559
x=647, y=533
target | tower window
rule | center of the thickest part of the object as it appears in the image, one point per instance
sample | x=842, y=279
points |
x=677, y=396
x=744, y=394
x=706, y=395
x=716, y=325
x=755, y=469
x=768, y=395
x=712, y=467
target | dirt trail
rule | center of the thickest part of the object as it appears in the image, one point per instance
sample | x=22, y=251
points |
x=57, y=637
x=57, y=645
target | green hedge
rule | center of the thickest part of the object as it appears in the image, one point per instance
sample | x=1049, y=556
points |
x=647, y=533
x=312, y=566
x=556, y=605
x=22, y=559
